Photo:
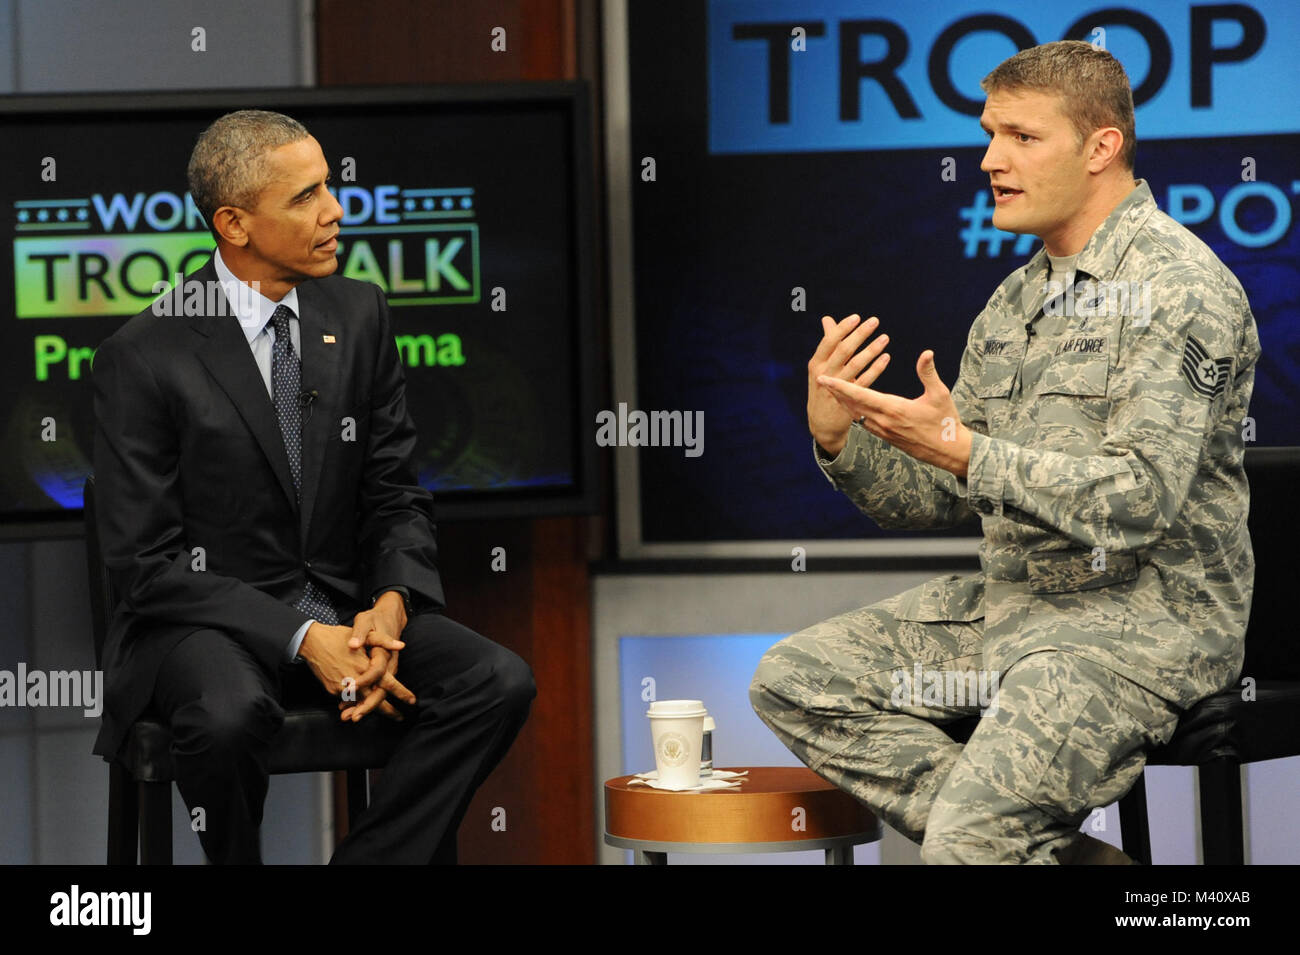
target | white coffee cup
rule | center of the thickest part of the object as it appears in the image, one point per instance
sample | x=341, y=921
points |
x=677, y=727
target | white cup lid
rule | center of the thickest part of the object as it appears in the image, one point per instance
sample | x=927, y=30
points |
x=678, y=708
x=709, y=725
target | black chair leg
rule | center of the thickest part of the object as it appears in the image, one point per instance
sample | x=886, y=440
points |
x=1221, y=826
x=358, y=795
x=123, y=816
x=1135, y=834
x=156, y=823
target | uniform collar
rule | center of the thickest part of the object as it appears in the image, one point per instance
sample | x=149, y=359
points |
x=1100, y=258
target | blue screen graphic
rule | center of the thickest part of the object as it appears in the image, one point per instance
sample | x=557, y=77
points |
x=757, y=195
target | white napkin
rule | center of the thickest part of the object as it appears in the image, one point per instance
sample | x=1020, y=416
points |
x=721, y=779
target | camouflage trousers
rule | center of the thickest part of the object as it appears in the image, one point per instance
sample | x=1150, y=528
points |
x=1064, y=735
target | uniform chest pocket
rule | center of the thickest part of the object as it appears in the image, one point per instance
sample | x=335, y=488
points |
x=1001, y=363
x=1081, y=373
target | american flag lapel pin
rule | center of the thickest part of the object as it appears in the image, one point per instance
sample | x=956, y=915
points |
x=328, y=339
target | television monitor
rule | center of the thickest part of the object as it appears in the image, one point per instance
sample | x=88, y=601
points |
x=822, y=157
x=470, y=206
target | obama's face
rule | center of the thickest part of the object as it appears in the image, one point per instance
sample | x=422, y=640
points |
x=291, y=233
x=1036, y=165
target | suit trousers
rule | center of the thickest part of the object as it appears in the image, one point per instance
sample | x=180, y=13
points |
x=860, y=698
x=224, y=708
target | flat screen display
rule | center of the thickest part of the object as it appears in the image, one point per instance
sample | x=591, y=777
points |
x=822, y=157
x=468, y=213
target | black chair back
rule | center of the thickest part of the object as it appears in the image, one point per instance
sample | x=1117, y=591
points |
x=1274, y=520
x=102, y=598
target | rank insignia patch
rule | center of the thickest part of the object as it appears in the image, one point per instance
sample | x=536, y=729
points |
x=1207, y=376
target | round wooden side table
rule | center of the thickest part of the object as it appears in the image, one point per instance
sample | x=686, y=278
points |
x=776, y=809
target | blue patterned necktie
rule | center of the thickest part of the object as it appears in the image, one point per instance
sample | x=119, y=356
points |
x=286, y=385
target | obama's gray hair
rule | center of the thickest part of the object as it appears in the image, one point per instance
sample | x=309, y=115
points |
x=228, y=166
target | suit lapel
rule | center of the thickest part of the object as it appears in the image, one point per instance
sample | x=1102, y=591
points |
x=320, y=373
x=226, y=355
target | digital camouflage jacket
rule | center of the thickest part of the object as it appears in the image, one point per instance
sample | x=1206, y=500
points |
x=1106, y=463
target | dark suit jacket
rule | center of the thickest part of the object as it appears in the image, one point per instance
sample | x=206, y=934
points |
x=188, y=454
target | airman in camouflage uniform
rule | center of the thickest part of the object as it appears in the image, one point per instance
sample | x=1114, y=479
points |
x=1105, y=464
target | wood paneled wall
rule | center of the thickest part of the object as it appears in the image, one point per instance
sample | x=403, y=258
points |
x=540, y=607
